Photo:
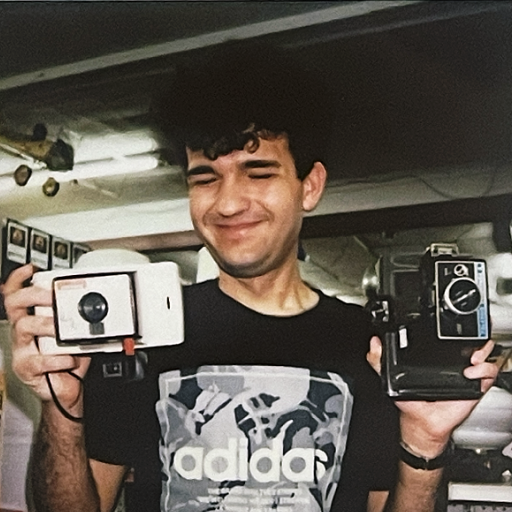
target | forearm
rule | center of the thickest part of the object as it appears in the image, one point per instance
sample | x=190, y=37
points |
x=61, y=475
x=423, y=455
x=416, y=489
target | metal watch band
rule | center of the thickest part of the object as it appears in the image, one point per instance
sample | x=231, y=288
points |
x=419, y=462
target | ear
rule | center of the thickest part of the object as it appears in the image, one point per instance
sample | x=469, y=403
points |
x=313, y=186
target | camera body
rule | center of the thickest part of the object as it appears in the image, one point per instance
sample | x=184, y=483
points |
x=95, y=309
x=428, y=343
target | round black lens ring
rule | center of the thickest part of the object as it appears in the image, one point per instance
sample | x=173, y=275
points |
x=93, y=307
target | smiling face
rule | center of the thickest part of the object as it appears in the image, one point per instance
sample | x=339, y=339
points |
x=247, y=207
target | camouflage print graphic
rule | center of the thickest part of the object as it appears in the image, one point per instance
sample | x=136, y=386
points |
x=251, y=439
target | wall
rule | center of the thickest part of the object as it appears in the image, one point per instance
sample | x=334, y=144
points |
x=21, y=416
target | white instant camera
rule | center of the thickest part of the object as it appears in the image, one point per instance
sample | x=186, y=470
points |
x=95, y=309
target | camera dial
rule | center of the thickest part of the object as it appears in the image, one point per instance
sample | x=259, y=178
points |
x=93, y=307
x=462, y=296
x=461, y=270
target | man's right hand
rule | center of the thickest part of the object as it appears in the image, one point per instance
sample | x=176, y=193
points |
x=28, y=363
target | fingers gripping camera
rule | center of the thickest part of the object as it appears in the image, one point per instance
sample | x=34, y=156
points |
x=95, y=309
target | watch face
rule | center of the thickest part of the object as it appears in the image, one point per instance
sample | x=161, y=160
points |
x=462, y=296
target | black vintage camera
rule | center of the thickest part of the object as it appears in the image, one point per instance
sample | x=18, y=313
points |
x=428, y=343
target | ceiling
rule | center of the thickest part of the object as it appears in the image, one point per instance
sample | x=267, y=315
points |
x=424, y=104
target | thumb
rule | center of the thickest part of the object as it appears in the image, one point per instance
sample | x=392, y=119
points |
x=375, y=353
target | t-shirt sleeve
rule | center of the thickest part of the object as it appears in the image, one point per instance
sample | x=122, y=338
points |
x=380, y=423
x=374, y=432
x=373, y=440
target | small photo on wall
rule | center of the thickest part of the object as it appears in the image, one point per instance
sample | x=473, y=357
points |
x=17, y=242
x=61, y=253
x=40, y=249
x=78, y=250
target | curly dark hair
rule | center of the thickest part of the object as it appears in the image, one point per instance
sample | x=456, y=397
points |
x=243, y=94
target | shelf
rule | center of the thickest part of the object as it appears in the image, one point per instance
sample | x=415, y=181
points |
x=496, y=493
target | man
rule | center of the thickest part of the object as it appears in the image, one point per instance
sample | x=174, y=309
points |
x=270, y=403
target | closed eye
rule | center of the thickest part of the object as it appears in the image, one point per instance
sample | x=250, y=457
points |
x=262, y=176
x=259, y=169
x=201, y=181
x=200, y=175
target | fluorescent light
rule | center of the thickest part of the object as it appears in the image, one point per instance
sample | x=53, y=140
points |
x=90, y=150
x=106, y=168
x=114, y=145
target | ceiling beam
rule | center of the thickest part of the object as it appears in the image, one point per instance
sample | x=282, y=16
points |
x=446, y=213
x=313, y=18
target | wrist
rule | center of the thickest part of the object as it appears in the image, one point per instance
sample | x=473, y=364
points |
x=58, y=411
x=424, y=447
x=70, y=406
x=422, y=440
x=418, y=461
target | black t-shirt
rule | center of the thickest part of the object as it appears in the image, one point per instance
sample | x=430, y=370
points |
x=251, y=413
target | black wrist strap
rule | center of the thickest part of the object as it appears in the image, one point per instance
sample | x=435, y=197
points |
x=61, y=409
x=419, y=462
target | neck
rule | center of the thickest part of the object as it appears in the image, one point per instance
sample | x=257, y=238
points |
x=278, y=293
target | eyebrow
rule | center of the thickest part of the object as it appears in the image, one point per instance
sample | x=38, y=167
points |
x=258, y=164
x=200, y=169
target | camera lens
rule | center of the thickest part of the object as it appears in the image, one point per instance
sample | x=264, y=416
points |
x=462, y=296
x=93, y=307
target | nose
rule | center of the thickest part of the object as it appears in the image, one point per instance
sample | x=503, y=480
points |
x=231, y=198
